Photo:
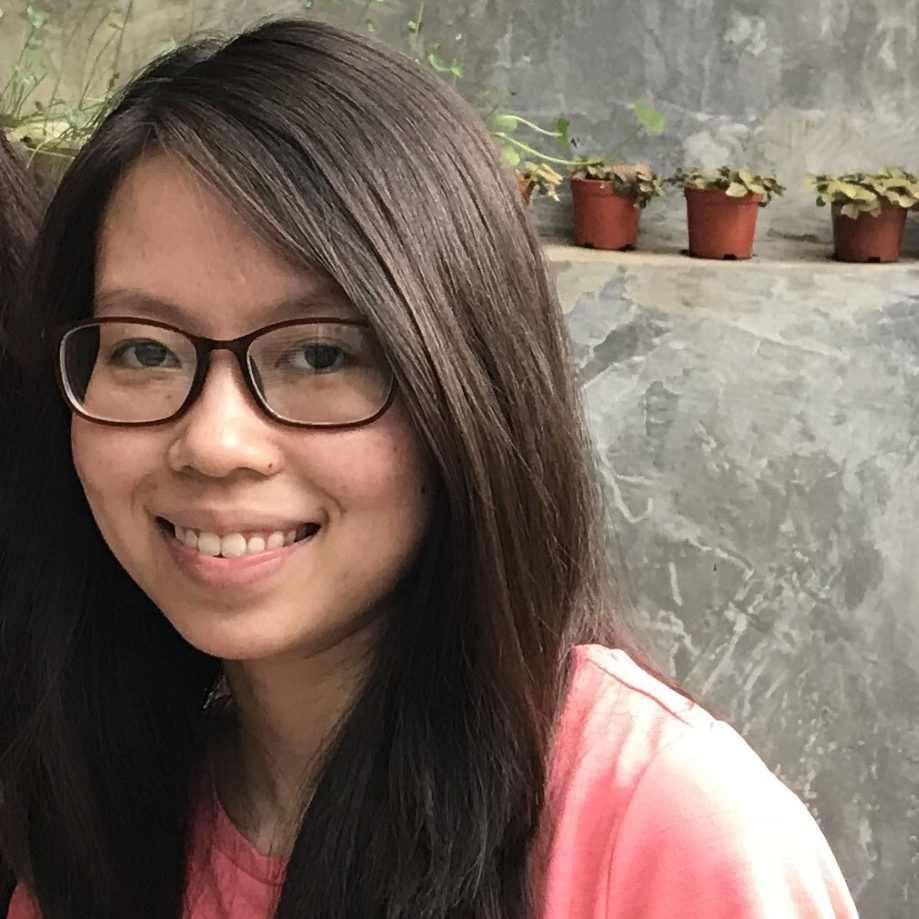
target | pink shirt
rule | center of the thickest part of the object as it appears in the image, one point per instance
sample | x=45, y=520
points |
x=655, y=811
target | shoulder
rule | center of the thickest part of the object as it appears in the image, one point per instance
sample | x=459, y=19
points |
x=21, y=905
x=672, y=812
x=616, y=718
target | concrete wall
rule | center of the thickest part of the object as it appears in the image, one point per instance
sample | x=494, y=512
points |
x=758, y=433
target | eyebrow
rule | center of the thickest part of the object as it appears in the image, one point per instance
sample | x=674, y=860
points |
x=325, y=301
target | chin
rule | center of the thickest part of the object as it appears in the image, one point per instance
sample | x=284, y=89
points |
x=230, y=636
x=263, y=633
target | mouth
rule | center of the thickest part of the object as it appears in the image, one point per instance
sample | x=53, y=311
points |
x=236, y=545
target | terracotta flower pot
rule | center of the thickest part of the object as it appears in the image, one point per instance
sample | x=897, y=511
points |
x=603, y=219
x=867, y=238
x=720, y=226
x=526, y=187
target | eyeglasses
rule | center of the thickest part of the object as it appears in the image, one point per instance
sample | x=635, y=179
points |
x=315, y=373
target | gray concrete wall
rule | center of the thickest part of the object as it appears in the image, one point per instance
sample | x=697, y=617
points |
x=758, y=432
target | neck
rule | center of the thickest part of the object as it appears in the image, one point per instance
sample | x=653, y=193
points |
x=284, y=713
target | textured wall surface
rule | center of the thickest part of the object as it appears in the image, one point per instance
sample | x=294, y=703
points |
x=759, y=440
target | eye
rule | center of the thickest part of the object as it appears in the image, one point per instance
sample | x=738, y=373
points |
x=317, y=357
x=143, y=354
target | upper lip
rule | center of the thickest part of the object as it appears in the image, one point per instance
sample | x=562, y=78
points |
x=237, y=521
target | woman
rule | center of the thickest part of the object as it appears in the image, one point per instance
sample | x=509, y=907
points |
x=299, y=624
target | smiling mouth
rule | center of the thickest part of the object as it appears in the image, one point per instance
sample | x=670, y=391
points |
x=236, y=545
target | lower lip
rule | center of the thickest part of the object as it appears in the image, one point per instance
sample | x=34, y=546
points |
x=218, y=573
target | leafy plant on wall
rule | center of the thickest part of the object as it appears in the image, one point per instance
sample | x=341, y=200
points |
x=33, y=106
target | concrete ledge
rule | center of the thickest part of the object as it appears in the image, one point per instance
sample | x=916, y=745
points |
x=770, y=254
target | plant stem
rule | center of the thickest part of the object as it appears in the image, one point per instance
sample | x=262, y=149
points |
x=533, y=127
x=84, y=88
x=116, y=57
x=364, y=14
x=416, y=36
x=15, y=67
x=24, y=97
x=541, y=156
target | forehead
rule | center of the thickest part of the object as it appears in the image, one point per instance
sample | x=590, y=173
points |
x=170, y=248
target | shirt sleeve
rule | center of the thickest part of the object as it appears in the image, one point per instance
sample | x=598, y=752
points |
x=711, y=833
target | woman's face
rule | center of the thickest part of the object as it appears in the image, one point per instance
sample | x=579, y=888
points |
x=171, y=250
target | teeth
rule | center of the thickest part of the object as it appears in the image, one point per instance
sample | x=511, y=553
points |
x=234, y=545
x=209, y=544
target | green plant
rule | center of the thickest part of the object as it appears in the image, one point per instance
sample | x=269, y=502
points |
x=544, y=178
x=866, y=193
x=630, y=179
x=425, y=51
x=736, y=183
x=503, y=126
x=39, y=114
x=28, y=71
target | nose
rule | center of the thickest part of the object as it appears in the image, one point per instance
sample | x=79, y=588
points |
x=224, y=433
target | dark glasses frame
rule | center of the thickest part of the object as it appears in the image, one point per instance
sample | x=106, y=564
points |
x=238, y=347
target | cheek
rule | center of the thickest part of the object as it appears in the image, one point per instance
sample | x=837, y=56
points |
x=109, y=464
x=384, y=477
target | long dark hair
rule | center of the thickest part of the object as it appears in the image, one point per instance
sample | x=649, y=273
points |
x=18, y=216
x=18, y=223
x=18, y=219
x=352, y=161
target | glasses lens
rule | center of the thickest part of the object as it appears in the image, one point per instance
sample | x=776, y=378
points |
x=321, y=373
x=127, y=371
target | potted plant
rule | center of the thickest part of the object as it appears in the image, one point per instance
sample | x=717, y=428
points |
x=539, y=177
x=869, y=212
x=721, y=209
x=608, y=200
x=536, y=173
